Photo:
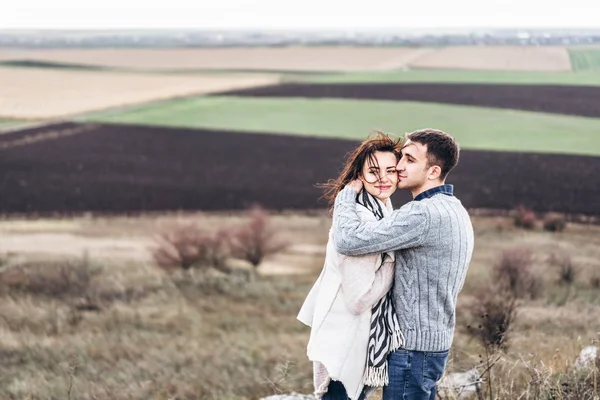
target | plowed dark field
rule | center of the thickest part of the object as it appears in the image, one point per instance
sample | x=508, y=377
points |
x=121, y=168
x=572, y=100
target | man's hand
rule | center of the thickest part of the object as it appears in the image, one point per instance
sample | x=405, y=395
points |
x=356, y=185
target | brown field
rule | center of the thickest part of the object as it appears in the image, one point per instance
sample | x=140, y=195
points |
x=496, y=58
x=216, y=337
x=275, y=59
x=501, y=58
x=74, y=168
x=45, y=93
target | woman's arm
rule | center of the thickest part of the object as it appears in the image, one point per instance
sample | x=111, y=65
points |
x=363, y=285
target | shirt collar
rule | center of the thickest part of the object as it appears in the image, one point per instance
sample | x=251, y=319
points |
x=446, y=189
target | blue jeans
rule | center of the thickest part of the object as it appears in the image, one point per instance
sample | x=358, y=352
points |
x=414, y=374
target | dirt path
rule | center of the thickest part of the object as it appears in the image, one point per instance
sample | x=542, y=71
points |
x=296, y=259
x=70, y=245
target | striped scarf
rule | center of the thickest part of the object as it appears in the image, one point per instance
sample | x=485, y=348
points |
x=385, y=335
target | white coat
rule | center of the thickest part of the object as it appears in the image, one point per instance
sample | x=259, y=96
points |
x=338, y=310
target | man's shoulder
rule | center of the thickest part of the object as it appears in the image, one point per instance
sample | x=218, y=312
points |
x=442, y=204
x=413, y=208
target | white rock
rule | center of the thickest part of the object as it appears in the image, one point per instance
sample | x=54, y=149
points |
x=587, y=357
x=459, y=384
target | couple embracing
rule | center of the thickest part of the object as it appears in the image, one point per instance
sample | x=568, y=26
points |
x=382, y=312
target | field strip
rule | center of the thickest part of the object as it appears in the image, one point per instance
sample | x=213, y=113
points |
x=44, y=93
x=582, y=78
x=405, y=60
x=497, y=58
x=585, y=59
x=299, y=58
x=123, y=168
x=475, y=127
x=47, y=135
x=583, y=101
x=18, y=125
x=578, y=78
x=7, y=125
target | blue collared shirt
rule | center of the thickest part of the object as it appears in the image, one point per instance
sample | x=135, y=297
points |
x=446, y=189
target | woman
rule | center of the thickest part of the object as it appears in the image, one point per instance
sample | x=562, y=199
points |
x=352, y=293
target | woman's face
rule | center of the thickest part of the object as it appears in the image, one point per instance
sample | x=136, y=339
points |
x=380, y=178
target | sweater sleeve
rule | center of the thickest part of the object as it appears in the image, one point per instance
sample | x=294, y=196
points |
x=362, y=283
x=402, y=229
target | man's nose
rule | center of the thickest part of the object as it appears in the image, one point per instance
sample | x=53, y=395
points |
x=399, y=166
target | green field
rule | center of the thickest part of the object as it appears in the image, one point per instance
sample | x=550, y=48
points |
x=475, y=127
x=6, y=123
x=49, y=65
x=585, y=60
x=584, y=78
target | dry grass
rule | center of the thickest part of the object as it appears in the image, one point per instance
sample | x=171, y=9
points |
x=496, y=58
x=47, y=93
x=215, y=336
x=337, y=58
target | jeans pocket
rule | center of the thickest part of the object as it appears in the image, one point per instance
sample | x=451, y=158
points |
x=399, y=359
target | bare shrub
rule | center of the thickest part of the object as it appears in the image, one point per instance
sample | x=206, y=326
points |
x=595, y=281
x=257, y=240
x=514, y=272
x=555, y=222
x=218, y=249
x=524, y=217
x=566, y=270
x=179, y=247
x=59, y=279
x=188, y=246
x=495, y=313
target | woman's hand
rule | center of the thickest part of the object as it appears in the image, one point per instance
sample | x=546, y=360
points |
x=356, y=185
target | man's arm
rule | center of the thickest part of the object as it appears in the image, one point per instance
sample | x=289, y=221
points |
x=403, y=229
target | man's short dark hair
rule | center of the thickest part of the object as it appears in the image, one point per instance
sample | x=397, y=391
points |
x=442, y=149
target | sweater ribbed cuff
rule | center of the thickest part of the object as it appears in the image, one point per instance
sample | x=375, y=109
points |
x=428, y=340
x=348, y=194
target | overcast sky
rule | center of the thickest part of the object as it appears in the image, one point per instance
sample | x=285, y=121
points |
x=294, y=14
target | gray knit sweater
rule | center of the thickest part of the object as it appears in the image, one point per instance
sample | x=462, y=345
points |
x=433, y=239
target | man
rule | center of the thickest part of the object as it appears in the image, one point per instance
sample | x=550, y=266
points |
x=433, y=239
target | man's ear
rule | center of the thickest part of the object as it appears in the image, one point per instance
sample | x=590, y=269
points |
x=435, y=172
